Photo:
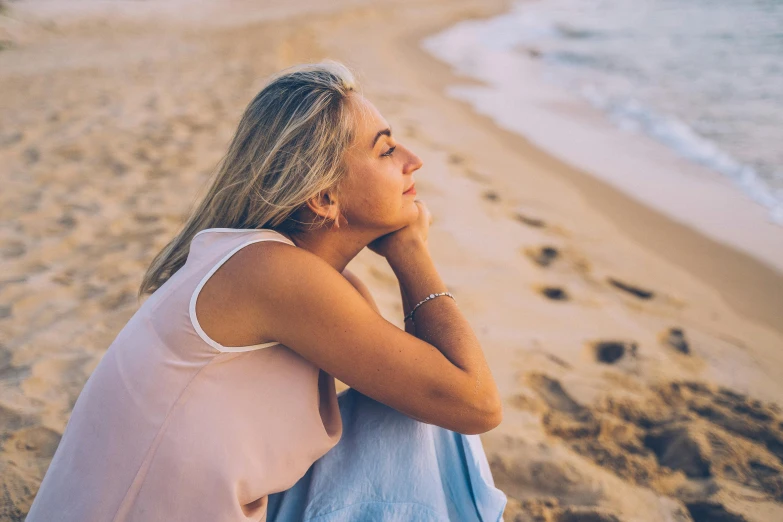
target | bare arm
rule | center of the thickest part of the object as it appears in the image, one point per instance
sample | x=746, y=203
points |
x=440, y=378
x=362, y=288
x=439, y=321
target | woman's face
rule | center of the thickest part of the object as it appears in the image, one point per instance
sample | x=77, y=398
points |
x=380, y=170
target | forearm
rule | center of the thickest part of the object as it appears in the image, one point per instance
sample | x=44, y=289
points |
x=439, y=321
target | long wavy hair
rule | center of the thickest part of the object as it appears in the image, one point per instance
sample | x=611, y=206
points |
x=288, y=147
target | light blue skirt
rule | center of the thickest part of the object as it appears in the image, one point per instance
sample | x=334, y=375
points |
x=389, y=467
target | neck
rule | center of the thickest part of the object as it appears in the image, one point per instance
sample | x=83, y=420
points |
x=336, y=246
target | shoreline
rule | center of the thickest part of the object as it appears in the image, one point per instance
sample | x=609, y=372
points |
x=716, y=261
x=518, y=91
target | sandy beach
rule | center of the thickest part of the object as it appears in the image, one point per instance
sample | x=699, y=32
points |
x=639, y=360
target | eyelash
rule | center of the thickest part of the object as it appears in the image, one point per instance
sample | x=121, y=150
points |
x=389, y=152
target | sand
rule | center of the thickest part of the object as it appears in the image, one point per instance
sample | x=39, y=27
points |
x=639, y=361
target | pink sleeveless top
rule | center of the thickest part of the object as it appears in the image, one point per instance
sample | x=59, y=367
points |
x=173, y=426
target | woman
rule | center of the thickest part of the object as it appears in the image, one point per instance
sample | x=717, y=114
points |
x=220, y=389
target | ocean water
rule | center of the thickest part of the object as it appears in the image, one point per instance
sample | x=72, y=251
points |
x=702, y=77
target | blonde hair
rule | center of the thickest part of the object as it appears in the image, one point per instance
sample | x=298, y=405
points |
x=288, y=147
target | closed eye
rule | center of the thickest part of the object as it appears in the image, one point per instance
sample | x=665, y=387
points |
x=389, y=152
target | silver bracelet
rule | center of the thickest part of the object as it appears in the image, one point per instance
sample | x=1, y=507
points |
x=431, y=296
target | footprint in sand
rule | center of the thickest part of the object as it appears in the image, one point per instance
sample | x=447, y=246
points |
x=686, y=440
x=543, y=256
x=455, y=159
x=609, y=352
x=631, y=289
x=554, y=293
x=491, y=195
x=529, y=220
x=675, y=338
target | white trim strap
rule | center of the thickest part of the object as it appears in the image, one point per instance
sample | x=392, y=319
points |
x=192, y=308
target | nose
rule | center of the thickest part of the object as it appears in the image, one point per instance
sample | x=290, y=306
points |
x=414, y=162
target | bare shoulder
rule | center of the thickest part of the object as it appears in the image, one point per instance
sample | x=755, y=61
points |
x=274, y=269
x=283, y=283
x=230, y=306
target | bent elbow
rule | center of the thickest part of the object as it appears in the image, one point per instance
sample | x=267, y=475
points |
x=496, y=417
x=468, y=412
x=485, y=420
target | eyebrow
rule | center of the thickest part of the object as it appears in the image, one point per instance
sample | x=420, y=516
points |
x=384, y=132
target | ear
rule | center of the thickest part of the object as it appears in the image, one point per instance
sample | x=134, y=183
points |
x=325, y=204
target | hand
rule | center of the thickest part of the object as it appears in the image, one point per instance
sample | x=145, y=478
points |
x=412, y=233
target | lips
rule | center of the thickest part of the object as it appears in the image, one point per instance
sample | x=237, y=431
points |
x=411, y=189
